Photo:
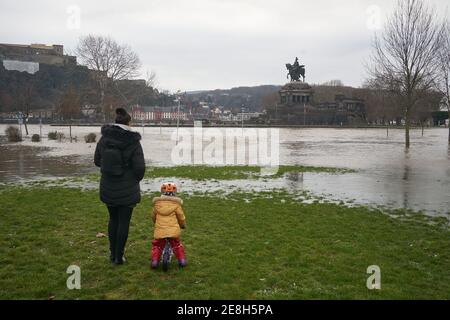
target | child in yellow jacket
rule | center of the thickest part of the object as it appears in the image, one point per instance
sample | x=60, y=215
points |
x=169, y=219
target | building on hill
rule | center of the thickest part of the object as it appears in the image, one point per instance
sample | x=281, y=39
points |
x=37, y=53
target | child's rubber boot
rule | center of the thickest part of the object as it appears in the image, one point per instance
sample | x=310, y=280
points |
x=155, y=264
x=156, y=254
x=178, y=251
x=182, y=263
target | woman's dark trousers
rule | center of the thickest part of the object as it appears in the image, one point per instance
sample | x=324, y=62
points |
x=119, y=224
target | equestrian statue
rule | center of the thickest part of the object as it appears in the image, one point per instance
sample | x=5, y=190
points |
x=295, y=71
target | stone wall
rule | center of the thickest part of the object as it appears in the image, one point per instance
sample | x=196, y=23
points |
x=36, y=53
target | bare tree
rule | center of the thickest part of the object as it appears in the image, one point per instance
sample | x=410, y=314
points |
x=151, y=80
x=70, y=106
x=269, y=100
x=110, y=60
x=443, y=80
x=26, y=95
x=103, y=54
x=404, y=55
x=333, y=83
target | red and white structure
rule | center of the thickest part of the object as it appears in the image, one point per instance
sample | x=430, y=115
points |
x=157, y=114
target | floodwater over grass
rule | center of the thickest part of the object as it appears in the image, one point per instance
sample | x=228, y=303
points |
x=382, y=173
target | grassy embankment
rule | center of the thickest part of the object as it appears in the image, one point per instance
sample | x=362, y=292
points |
x=263, y=245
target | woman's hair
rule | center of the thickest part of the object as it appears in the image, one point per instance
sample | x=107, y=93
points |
x=122, y=116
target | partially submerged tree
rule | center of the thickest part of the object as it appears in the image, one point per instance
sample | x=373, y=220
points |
x=26, y=96
x=70, y=106
x=381, y=105
x=427, y=104
x=443, y=80
x=404, y=55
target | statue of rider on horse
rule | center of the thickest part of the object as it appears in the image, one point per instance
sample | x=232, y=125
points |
x=295, y=71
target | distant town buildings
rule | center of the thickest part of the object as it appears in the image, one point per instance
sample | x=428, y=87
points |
x=35, y=114
x=228, y=116
x=157, y=114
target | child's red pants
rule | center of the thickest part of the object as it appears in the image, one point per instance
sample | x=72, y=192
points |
x=177, y=247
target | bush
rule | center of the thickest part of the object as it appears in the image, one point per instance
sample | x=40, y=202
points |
x=55, y=135
x=13, y=134
x=35, y=138
x=90, y=138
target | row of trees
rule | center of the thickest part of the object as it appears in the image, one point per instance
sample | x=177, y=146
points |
x=411, y=59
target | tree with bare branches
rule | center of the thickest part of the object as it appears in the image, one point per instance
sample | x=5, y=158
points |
x=25, y=97
x=111, y=60
x=443, y=80
x=70, y=105
x=404, y=55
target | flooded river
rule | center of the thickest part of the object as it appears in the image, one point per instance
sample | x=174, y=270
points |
x=386, y=175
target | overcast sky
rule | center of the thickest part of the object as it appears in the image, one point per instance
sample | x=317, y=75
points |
x=210, y=44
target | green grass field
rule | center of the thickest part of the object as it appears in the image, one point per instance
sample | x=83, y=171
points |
x=241, y=246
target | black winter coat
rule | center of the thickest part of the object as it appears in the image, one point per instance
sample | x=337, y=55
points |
x=121, y=190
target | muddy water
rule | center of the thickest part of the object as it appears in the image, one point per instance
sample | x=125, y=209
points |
x=28, y=163
x=387, y=175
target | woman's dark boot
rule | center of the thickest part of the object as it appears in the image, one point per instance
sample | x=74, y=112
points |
x=121, y=260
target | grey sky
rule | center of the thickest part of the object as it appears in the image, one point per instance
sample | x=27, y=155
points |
x=209, y=44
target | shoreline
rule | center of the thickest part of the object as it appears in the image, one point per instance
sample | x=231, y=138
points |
x=248, y=125
x=254, y=126
x=288, y=126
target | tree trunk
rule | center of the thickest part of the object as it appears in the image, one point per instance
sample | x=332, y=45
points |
x=407, y=124
x=449, y=126
x=25, y=122
x=26, y=127
x=102, y=99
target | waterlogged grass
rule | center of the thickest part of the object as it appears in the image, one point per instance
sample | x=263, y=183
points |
x=233, y=172
x=204, y=172
x=241, y=246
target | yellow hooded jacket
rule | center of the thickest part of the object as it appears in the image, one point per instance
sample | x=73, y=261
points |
x=168, y=217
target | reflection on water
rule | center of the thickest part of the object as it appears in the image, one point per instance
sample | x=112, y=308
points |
x=294, y=180
x=21, y=162
x=387, y=175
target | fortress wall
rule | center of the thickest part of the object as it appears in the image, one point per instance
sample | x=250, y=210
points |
x=22, y=66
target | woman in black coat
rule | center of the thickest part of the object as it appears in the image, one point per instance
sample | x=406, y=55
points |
x=121, y=160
